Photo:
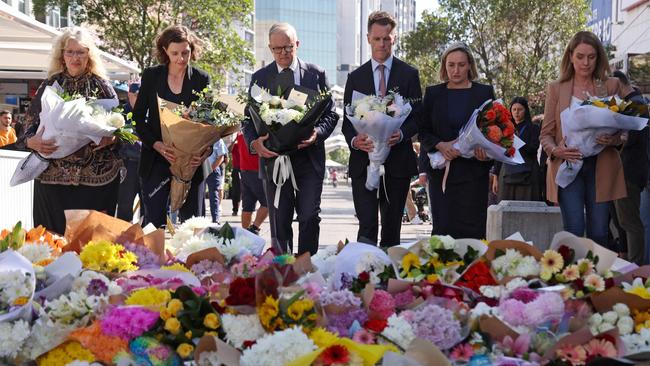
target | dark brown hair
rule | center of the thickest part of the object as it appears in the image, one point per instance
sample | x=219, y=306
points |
x=381, y=18
x=601, y=71
x=177, y=34
x=4, y=111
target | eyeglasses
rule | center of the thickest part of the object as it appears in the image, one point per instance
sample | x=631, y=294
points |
x=71, y=53
x=286, y=49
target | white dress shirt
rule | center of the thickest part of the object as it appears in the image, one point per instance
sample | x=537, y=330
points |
x=294, y=67
x=388, y=64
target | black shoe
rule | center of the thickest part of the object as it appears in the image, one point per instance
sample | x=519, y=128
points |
x=234, y=213
x=254, y=229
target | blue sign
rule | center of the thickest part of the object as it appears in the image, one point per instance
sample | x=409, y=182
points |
x=600, y=21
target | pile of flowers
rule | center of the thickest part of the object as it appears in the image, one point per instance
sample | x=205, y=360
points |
x=107, y=257
x=561, y=266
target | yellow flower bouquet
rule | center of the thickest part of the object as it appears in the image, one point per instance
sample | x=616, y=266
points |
x=279, y=314
x=105, y=256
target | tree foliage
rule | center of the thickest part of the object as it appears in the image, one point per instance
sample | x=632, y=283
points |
x=517, y=43
x=340, y=155
x=128, y=28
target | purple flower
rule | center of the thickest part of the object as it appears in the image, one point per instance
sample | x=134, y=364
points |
x=340, y=323
x=524, y=295
x=344, y=298
x=206, y=268
x=346, y=280
x=436, y=324
x=128, y=323
x=546, y=307
x=404, y=298
x=96, y=287
x=146, y=258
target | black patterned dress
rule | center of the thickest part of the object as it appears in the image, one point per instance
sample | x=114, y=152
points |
x=86, y=179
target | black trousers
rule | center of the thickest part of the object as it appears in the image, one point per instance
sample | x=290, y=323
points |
x=155, y=196
x=305, y=202
x=51, y=200
x=129, y=188
x=367, y=205
x=235, y=189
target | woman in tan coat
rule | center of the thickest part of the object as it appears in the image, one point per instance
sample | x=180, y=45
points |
x=583, y=72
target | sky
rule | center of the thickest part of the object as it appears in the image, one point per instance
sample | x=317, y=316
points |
x=422, y=5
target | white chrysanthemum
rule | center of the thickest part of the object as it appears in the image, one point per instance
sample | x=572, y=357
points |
x=399, y=330
x=196, y=243
x=621, y=309
x=196, y=222
x=595, y=320
x=481, y=309
x=637, y=342
x=278, y=349
x=12, y=337
x=13, y=285
x=35, y=252
x=516, y=283
x=45, y=335
x=610, y=317
x=625, y=325
x=604, y=327
x=241, y=328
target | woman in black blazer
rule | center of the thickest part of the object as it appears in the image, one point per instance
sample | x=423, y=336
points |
x=461, y=210
x=521, y=182
x=174, y=80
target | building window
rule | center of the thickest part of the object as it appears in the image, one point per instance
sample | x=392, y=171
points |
x=22, y=7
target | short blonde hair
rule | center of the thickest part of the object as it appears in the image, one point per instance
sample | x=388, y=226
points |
x=458, y=46
x=284, y=28
x=57, y=64
x=601, y=71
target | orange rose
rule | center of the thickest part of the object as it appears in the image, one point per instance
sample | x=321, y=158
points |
x=494, y=134
x=509, y=129
x=490, y=115
x=506, y=116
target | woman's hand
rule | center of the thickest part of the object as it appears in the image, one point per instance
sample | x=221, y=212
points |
x=448, y=150
x=106, y=141
x=167, y=152
x=610, y=140
x=570, y=154
x=480, y=154
x=198, y=159
x=43, y=147
x=494, y=182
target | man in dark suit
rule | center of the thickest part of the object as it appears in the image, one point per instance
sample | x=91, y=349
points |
x=308, y=161
x=382, y=73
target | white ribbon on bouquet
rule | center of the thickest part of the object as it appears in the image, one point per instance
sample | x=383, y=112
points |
x=70, y=124
x=282, y=171
x=379, y=127
x=470, y=137
x=581, y=125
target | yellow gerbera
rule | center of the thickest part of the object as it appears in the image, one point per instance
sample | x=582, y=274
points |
x=552, y=261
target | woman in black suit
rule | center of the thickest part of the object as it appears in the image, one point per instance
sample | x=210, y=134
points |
x=521, y=182
x=461, y=210
x=174, y=80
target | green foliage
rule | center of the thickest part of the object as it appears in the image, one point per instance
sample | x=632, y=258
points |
x=340, y=155
x=128, y=28
x=14, y=239
x=423, y=46
x=517, y=44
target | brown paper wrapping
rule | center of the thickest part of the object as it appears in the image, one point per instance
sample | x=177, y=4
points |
x=397, y=286
x=605, y=301
x=83, y=226
x=643, y=271
x=187, y=138
x=495, y=328
x=426, y=353
x=227, y=354
x=211, y=254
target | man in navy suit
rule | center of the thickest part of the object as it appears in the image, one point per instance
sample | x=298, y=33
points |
x=383, y=73
x=308, y=161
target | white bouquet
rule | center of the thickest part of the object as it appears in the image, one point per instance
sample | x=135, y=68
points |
x=582, y=123
x=73, y=122
x=379, y=118
x=17, y=285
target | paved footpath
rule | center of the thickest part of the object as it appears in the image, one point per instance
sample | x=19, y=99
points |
x=337, y=219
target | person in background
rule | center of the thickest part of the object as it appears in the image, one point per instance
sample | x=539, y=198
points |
x=176, y=81
x=7, y=133
x=635, y=168
x=252, y=188
x=520, y=182
x=215, y=179
x=130, y=154
x=584, y=72
x=460, y=210
x=88, y=178
x=235, y=182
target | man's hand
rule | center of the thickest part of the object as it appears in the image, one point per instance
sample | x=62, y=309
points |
x=310, y=141
x=395, y=138
x=258, y=145
x=363, y=143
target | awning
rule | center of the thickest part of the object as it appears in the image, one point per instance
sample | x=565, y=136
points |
x=25, y=46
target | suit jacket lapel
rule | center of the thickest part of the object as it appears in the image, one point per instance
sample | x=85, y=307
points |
x=307, y=78
x=392, y=79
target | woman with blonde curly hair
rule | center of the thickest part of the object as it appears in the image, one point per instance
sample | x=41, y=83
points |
x=88, y=178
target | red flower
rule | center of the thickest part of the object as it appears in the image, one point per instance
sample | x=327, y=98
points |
x=376, y=325
x=510, y=151
x=506, y=116
x=494, y=134
x=241, y=292
x=364, y=277
x=248, y=344
x=566, y=253
x=335, y=354
x=508, y=129
x=490, y=115
x=477, y=275
x=609, y=282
